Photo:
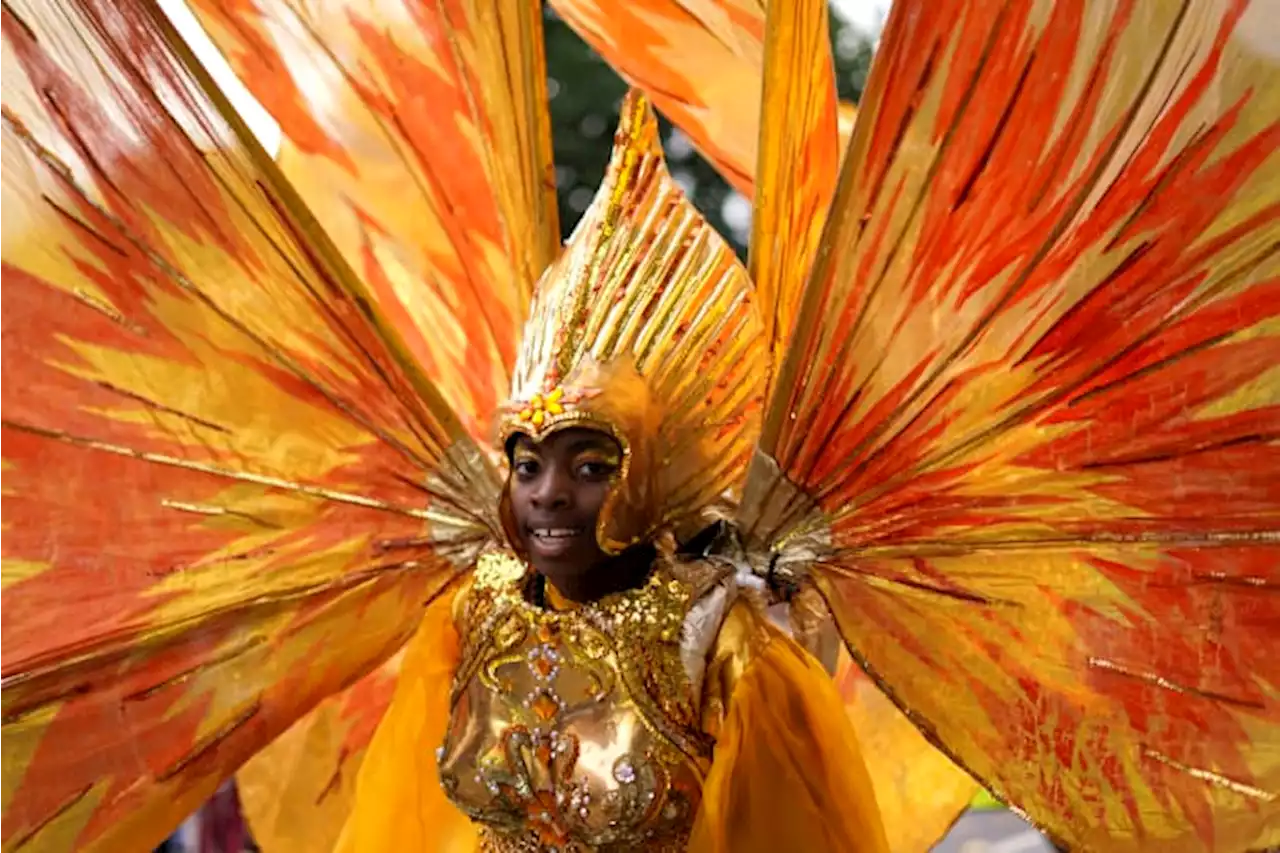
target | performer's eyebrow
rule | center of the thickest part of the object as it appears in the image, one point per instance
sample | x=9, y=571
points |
x=526, y=446
x=602, y=444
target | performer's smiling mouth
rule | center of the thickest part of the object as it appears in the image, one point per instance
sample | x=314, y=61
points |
x=555, y=541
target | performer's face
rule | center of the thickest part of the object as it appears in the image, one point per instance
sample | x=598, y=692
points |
x=558, y=486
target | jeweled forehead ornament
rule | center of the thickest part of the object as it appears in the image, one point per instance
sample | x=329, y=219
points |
x=540, y=406
x=537, y=415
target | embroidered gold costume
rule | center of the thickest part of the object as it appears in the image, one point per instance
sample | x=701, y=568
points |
x=994, y=401
x=578, y=729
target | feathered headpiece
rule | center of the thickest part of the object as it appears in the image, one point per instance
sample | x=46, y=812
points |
x=644, y=329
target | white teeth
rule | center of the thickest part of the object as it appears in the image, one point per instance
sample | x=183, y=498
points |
x=556, y=532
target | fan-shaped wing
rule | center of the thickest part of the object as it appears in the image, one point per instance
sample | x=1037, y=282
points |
x=919, y=791
x=799, y=159
x=1028, y=426
x=701, y=62
x=227, y=492
x=298, y=792
x=418, y=134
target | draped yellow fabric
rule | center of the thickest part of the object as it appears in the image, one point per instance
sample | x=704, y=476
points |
x=399, y=804
x=788, y=773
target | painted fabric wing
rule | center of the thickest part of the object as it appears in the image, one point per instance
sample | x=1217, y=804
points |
x=920, y=793
x=799, y=158
x=227, y=492
x=701, y=62
x=298, y=792
x=1026, y=432
x=418, y=134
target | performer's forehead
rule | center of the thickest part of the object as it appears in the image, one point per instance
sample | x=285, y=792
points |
x=570, y=438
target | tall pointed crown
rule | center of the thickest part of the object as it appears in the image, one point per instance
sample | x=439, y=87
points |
x=644, y=329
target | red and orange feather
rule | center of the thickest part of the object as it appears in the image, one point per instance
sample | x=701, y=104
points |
x=418, y=134
x=1031, y=409
x=701, y=62
x=799, y=157
x=225, y=480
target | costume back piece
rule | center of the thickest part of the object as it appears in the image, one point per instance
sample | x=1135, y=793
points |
x=999, y=387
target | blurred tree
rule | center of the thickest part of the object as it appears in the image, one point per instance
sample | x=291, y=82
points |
x=585, y=94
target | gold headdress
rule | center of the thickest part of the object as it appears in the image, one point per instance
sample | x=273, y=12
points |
x=644, y=329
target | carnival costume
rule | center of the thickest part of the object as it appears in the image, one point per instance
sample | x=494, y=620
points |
x=999, y=385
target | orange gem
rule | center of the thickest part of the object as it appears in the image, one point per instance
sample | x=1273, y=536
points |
x=543, y=667
x=545, y=634
x=545, y=707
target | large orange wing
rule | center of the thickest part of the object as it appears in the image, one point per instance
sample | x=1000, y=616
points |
x=418, y=134
x=701, y=62
x=227, y=492
x=298, y=793
x=1028, y=430
x=799, y=158
x=920, y=793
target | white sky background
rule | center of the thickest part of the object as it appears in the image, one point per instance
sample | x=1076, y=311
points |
x=866, y=15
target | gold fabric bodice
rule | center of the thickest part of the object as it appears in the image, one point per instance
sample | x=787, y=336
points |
x=579, y=730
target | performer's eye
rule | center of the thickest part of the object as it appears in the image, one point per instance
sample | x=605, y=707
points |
x=525, y=467
x=596, y=467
